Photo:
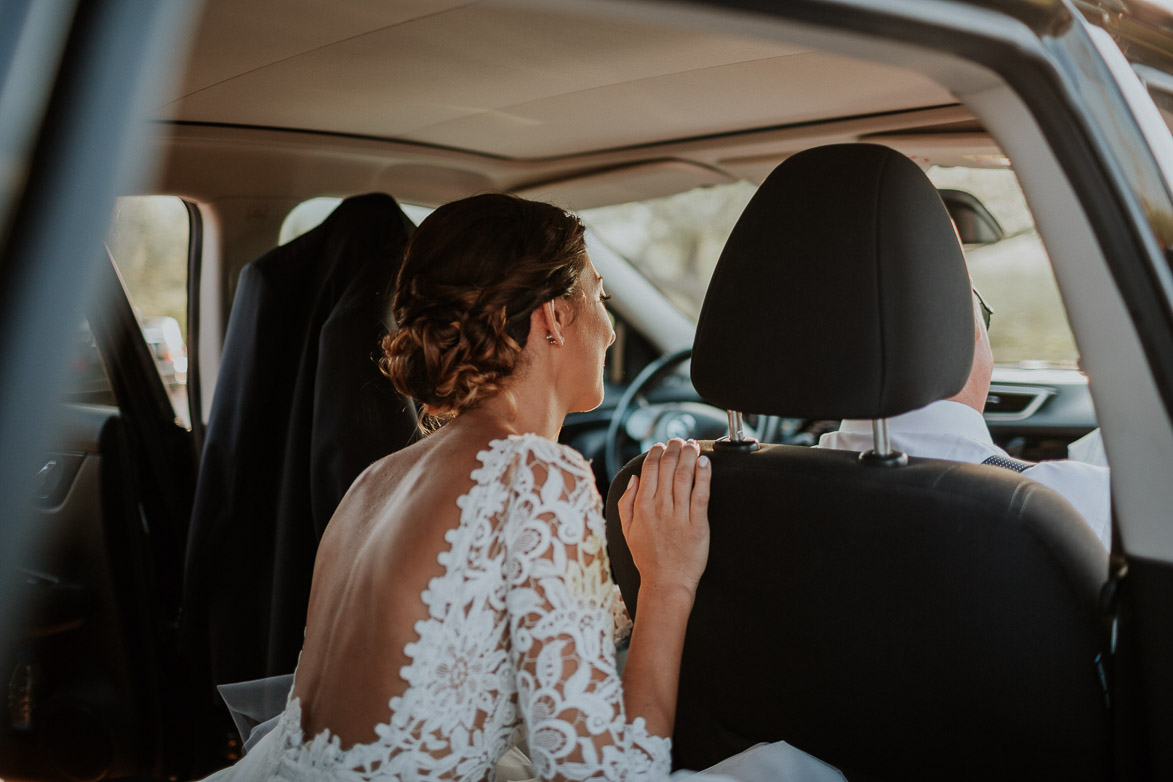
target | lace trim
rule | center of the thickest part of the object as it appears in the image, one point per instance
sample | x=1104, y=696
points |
x=520, y=615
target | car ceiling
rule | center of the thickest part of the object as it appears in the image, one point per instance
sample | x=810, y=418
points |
x=517, y=96
x=512, y=81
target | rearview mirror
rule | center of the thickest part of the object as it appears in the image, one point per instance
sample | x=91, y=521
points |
x=975, y=224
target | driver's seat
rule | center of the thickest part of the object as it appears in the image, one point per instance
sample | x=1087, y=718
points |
x=898, y=618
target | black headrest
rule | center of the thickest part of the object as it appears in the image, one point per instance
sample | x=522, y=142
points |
x=841, y=293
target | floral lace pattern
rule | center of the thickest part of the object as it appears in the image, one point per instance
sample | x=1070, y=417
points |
x=519, y=634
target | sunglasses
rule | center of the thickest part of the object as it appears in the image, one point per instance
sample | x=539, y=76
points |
x=985, y=308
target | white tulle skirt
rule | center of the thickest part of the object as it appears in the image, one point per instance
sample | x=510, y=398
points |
x=257, y=706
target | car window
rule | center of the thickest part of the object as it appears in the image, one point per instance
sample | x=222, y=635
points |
x=1013, y=275
x=86, y=382
x=1160, y=89
x=309, y=215
x=149, y=238
x=675, y=242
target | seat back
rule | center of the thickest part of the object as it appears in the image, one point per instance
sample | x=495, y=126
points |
x=934, y=620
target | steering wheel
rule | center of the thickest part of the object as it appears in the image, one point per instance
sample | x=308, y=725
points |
x=635, y=419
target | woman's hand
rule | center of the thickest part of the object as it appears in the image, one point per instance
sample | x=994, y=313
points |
x=665, y=518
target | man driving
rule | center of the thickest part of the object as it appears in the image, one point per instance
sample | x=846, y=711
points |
x=954, y=429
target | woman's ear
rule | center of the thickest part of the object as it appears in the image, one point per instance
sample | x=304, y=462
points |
x=547, y=322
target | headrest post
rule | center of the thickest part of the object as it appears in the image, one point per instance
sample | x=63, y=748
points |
x=882, y=454
x=736, y=439
x=736, y=427
x=881, y=443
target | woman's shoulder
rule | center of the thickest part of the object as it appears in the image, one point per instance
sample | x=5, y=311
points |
x=533, y=451
x=528, y=464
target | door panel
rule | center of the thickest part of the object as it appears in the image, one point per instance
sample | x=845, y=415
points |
x=95, y=688
x=82, y=673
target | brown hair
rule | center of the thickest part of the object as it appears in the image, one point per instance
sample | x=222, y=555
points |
x=475, y=270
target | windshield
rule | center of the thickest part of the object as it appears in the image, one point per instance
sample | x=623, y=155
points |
x=675, y=242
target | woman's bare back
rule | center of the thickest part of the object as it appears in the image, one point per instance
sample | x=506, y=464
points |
x=378, y=554
x=462, y=592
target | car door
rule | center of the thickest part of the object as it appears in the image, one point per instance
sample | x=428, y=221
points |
x=96, y=688
x=75, y=80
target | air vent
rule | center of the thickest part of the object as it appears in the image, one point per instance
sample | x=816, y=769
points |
x=1015, y=403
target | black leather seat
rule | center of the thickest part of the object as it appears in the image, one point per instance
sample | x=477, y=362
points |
x=935, y=620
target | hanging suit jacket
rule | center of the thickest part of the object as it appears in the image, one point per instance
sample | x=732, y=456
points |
x=300, y=409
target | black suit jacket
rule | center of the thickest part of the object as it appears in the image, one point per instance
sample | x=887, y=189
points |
x=300, y=410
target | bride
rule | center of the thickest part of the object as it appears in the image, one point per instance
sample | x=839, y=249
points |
x=461, y=592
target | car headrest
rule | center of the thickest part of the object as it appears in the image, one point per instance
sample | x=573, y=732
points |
x=841, y=293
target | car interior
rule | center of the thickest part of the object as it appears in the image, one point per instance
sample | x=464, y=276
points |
x=180, y=505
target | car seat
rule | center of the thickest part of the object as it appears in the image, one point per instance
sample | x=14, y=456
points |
x=900, y=618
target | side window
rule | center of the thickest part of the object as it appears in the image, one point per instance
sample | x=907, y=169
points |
x=1164, y=103
x=1013, y=271
x=86, y=383
x=674, y=240
x=306, y=216
x=149, y=239
x=309, y=215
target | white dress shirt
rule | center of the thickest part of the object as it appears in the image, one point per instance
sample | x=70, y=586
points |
x=955, y=431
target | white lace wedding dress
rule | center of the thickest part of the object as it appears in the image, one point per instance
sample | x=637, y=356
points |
x=518, y=638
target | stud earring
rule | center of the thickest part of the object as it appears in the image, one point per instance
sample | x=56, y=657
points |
x=550, y=338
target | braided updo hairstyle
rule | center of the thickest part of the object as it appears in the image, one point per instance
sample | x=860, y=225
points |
x=475, y=270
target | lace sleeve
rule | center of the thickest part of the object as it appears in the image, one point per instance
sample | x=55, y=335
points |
x=561, y=627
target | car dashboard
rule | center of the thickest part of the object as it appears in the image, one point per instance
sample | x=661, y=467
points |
x=1034, y=413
